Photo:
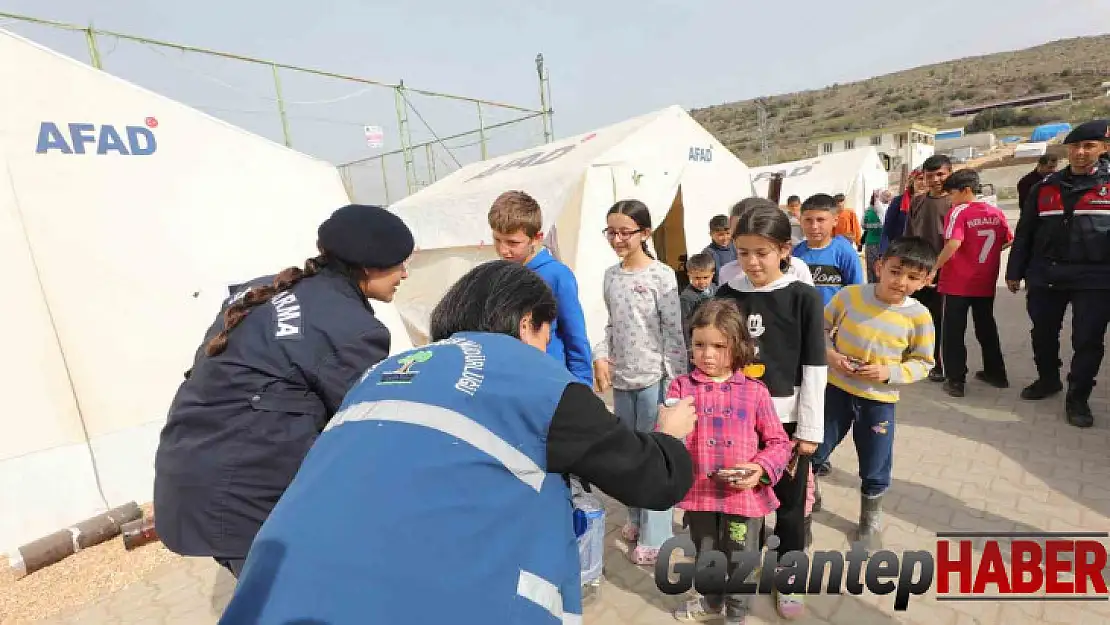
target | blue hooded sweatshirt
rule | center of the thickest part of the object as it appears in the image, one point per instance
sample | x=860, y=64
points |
x=569, y=344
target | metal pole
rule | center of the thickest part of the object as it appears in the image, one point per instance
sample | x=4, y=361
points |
x=430, y=155
x=94, y=52
x=482, y=132
x=403, y=132
x=385, y=181
x=550, y=111
x=543, y=101
x=281, y=108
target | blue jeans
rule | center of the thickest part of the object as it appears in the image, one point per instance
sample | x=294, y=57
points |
x=639, y=410
x=872, y=424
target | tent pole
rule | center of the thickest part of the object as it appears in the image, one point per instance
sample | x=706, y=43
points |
x=94, y=51
x=281, y=107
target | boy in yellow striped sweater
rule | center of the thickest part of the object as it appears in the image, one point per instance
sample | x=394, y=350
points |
x=879, y=338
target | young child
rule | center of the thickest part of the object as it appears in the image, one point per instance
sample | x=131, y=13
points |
x=975, y=234
x=721, y=248
x=784, y=317
x=643, y=349
x=794, y=211
x=738, y=431
x=881, y=338
x=699, y=268
x=832, y=259
x=733, y=270
x=517, y=222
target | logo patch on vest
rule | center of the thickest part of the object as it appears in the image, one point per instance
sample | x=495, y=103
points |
x=406, y=372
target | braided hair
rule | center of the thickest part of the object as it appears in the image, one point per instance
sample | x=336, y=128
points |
x=258, y=295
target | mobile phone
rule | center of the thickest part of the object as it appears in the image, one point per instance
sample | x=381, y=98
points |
x=671, y=402
x=855, y=363
x=734, y=474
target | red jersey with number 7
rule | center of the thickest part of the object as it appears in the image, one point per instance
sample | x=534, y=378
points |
x=973, y=269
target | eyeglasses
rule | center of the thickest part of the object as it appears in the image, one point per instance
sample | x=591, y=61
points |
x=623, y=235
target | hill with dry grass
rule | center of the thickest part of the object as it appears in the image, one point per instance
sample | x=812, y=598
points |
x=924, y=95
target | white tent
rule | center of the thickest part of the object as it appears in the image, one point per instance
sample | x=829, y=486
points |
x=124, y=216
x=665, y=159
x=855, y=173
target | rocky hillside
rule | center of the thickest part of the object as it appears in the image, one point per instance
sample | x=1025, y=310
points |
x=923, y=94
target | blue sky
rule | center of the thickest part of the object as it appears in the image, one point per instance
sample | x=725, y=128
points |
x=608, y=60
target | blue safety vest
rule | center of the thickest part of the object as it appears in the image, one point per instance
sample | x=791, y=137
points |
x=426, y=500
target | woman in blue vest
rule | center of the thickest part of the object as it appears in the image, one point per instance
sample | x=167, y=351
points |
x=270, y=374
x=438, y=492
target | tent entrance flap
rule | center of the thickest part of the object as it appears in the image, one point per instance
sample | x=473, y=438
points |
x=670, y=238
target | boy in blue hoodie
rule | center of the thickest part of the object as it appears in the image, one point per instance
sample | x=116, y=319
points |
x=832, y=260
x=517, y=223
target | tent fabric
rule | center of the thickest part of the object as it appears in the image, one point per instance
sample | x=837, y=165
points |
x=124, y=217
x=664, y=158
x=1048, y=132
x=855, y=173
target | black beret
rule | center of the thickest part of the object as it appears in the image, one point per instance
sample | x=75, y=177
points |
x=1096, y=130
x=366, y=236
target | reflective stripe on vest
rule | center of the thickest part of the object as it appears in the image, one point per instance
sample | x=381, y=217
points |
x=546, y=595
x=450, y=423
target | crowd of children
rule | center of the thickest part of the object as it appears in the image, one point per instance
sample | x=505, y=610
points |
x=785, y=344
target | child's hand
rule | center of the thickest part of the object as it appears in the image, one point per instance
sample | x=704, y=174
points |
x=877, y=373
x=603, y=379
x=748, y=482
x=839, y=361
x=805, y=448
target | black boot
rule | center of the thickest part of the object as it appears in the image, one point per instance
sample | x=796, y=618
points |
x=870, y=522
x=1076, y=408
x=807, y=523
x=1041, y=388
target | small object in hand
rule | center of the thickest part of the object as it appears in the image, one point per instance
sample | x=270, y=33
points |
x=855, y=363
x=671, y=402
x=733, y=474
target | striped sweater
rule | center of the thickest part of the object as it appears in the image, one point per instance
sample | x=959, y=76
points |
x=898, y=336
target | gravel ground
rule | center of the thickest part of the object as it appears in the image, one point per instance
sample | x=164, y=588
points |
x=79, y=580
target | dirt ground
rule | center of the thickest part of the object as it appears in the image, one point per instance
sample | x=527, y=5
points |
x=76, y=581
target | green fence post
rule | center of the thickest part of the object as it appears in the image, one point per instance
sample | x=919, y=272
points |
x=94, y=52
x=385, y=180
x=403, y=132
x=482, y=132
x=281, y=107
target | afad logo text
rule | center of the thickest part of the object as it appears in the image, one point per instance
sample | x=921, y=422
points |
x=993, y=567
x=102, y=139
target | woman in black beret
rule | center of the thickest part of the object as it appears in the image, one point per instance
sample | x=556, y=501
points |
x=271, y=372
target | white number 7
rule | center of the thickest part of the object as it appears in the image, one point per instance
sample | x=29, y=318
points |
x=991, y=237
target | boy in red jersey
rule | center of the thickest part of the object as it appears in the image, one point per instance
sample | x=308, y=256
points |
x=975, y=234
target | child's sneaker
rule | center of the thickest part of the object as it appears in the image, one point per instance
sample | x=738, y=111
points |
x=790, y=607
x=644, y=555
x=630, y=533
x=696, y=610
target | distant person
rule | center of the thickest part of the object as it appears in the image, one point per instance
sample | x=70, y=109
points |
x=699, y=268
x=734, y=270
x=975, y=234
x=832, y=259
x=794, y=210
x=872, y=235
x=517, y=224
x=926, y=220
x=847, y=222
x=894, y=221
x=720, y=247
x=1062, y=252
x=1046, y=165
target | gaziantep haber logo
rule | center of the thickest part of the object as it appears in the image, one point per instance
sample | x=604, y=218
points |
x=967, y=566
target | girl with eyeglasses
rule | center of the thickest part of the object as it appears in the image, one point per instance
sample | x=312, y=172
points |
x=643, y=349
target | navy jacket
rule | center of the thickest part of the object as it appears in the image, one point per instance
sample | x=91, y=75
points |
x=1062, y=239
x=569, y=343
x=721, y=257
x=894, y=223
x=243, y=420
